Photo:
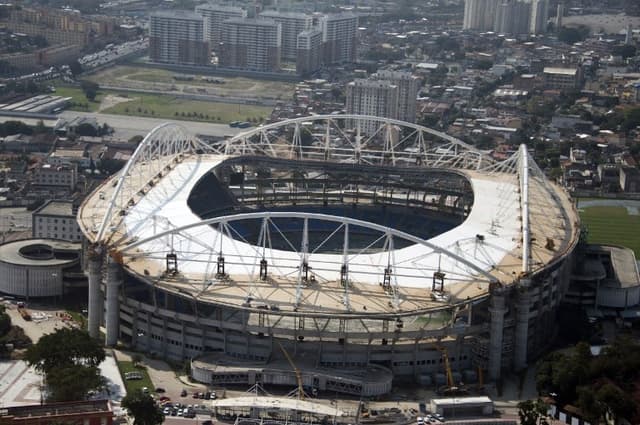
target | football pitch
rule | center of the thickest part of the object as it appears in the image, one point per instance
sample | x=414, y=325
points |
x=616, y=225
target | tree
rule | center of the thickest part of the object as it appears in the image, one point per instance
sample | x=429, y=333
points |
x=617, y=402
x=143, y=408
x=5, y=322
x=75, y=68
x=625, y=50
x=90, y=89
x=72, y=382
x=136, y=358
x=573, y=35
x=69, y=358
x=532, y=412
x=86, y=129
x=63, y=348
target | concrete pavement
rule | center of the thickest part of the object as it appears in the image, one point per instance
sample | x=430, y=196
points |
x=128, y=126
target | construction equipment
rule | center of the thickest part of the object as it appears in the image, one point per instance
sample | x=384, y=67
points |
x=450, y=389
x=23, y=311
x=299, y=392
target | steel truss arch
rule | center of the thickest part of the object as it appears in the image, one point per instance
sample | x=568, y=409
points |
x=162, y=148
x=422, y=261
x=382, y=144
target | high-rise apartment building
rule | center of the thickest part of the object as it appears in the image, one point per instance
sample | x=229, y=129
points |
x=292, y=24
x=408, y=86
x=512, y=17
x=251, y=44
x=506, y=16
x=559, y=16
x=177, y=36
x=214, y=15
x=309, y=52
x=372, y=97
x=479, y=14
x=339, y=33
x=539, y=16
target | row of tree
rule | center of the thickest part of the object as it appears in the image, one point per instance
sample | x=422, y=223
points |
x=595, y=384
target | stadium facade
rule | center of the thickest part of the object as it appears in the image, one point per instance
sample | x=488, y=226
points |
x=366, y=258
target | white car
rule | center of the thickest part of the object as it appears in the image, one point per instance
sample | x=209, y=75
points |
x=420, y=420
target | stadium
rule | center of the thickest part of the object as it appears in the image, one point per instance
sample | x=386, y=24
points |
x=310, y=252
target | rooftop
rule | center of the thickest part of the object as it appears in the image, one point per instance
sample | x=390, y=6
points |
x=58, y=208
x=561, y=71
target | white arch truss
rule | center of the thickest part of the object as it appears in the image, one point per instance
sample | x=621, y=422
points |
x=358, y=139
x=199, y=248
x=157, y=154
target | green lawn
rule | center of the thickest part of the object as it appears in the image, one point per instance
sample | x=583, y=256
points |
x=170, y=107
x=79, y=101
x=133, y=385
x=159, y=106
x=612, y=225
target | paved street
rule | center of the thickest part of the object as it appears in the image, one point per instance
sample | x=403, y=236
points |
x=127, y=126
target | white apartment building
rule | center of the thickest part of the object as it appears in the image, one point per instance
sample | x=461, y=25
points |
x=292, y=25
x=309, y=52
x=539, y=16
x=339, y=33
x=214, y=15
x=372, y=97
x=251, y=44
x=506, y=16
x=513, y=17
x=177, y=36
x=408, y=86
x=479, y=14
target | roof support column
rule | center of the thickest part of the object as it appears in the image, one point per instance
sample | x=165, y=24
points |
x=114, y=280
x=96, y=305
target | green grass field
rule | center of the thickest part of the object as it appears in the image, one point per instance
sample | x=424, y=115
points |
x=133, y=385
x=612, y=225
x=79, y=101
x=158, y=106
x=161, y=106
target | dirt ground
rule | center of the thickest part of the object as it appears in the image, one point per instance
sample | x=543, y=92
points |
x=111, y=100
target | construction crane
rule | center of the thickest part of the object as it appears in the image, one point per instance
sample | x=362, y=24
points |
x=450, y=388
x=300, y=389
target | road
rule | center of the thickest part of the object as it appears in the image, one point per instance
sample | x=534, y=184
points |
x=128, y=126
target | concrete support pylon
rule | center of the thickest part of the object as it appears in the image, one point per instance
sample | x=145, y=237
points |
x=523, y=305
x=96, y=301
x=497, y=311
x=114, y=280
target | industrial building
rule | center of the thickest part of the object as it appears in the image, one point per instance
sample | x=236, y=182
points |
x=365, y=259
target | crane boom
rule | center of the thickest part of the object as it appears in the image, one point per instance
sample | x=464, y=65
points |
x=296, y=370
